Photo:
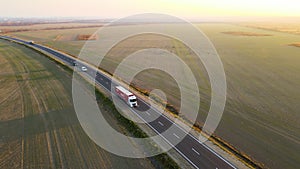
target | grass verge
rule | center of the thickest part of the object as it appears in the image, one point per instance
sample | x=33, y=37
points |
x=159, y=161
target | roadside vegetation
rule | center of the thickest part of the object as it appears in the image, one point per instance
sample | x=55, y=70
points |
x=39, y=127
x=261, y=118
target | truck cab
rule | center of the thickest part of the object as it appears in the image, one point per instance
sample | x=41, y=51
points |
x=132, y=101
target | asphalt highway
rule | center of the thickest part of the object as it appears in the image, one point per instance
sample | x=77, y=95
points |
x=197, y=154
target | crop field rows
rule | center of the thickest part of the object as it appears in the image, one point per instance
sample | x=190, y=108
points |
x=261, y=114
x=39, y=128
x=13, y=105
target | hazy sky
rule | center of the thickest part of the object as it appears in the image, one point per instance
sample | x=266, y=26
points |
x=121, y=8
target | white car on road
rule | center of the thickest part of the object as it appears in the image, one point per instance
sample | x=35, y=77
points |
x=83, y=68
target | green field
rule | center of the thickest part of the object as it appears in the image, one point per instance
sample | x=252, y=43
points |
x=38, y=124
x=261, y=116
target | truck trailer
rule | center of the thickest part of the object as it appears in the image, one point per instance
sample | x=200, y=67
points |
x=127, y=96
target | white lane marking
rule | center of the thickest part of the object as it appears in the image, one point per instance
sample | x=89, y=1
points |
x=196, y=151
x=208, y=148
x=184, y=156
x=148, y=113
x=166, y=140
x=160, y=123
x=169, y=121
x=176, y=135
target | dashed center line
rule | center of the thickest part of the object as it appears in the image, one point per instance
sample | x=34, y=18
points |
x=60, y=56
x=160, y=123
x=148, y=113
x=196, y=151
x=176, y=135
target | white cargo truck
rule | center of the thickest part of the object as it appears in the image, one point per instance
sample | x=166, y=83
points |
x=127, y=96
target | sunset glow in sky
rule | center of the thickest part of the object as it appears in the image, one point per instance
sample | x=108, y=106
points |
x=121, y=8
